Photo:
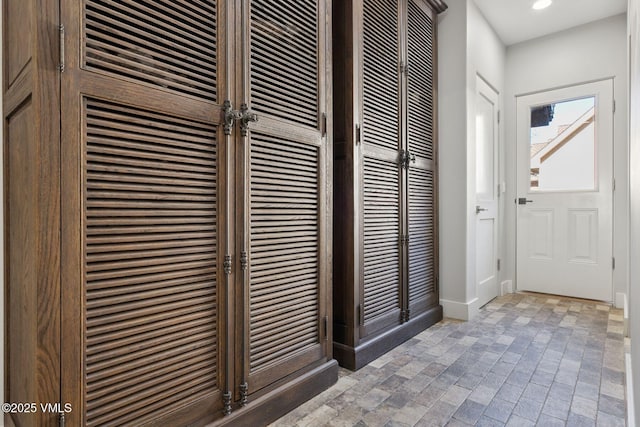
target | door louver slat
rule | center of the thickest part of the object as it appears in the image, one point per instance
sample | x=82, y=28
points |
x=381, y=232
x=284, y=60
x=421, y=232
x=380, y=79
x=420, y=87
x=166, y=44
x=150, y=263
x=284, y=251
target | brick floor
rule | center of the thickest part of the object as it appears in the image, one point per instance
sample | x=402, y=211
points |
x=525, y=360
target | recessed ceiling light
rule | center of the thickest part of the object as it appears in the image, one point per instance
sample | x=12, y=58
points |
x=541, y=4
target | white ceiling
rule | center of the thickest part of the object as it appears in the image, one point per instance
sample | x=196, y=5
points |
x=515, y=21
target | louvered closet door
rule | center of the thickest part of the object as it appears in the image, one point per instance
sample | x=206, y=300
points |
x=421, y=173
x=142, y=294
x=283, y=182
x=380, y=173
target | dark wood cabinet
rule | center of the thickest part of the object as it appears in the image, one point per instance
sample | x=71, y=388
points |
x=385, y=258
x=168, y=209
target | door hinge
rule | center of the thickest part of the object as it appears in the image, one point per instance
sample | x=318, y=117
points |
x=498, y=116
x=61, y=420
x=61, y=32
x=498, y=264
x=244, y=394
x=360, y=315
x=324, y=124
x=613, y=263
x=614, y=184
x=226, y=402
x=614, y=105
x=404, y=239
x=358, y=134
x=227, y=264
x=404, y=68
x=404, y=316
x=325, y=327
x=244, y=260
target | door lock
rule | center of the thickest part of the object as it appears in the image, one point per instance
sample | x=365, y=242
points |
x=479, y=209
x=524, y=201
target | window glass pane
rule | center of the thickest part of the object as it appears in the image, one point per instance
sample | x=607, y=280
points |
x=563, y=146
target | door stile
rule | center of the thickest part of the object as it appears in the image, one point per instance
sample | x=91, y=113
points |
x=403, y=145
x=325, y=121
x=72, y=256
x=227, y=81
x=243, y=201
x=358, y=181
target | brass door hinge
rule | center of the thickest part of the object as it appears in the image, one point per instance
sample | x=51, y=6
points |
x=61, y=33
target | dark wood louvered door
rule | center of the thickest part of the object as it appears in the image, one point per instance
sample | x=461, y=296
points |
x=420, y=173
x=385, y=279
x=283, y=201
x=380, y=199
x=143, y=229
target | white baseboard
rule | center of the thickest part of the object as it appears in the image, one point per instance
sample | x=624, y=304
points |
x=621, y=299
x=460, y=310
x=506, y=287
x=621, y=302
x=631, y=416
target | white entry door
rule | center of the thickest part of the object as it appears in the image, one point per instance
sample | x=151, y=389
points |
x=486, y=192
x=565, y=191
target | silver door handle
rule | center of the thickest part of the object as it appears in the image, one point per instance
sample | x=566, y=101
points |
x=479, y=209
x=524, y=201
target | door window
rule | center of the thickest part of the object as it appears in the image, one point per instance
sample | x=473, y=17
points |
x=563, y=146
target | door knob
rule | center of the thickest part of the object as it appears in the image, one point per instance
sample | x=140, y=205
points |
x=524, y=201
x=479, y=209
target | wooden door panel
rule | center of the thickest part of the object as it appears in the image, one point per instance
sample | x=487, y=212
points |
x=420, y=99
x=420, y=143
x=167, y=44
x=150, y=264
x=282, y=176
x=421, y=214
x=285, y=60
x=21, y=246
x=381, y=276
x=31, y=164
x=380, y=79
x=142, y=205
x=381, y=246
x=284, y=255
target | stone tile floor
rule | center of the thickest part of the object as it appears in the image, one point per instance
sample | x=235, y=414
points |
x=526, y=359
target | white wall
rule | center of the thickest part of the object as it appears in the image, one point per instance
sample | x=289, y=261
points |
x=452, y=151
x=590, y=52
x=467, y=47
x=634, y=181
